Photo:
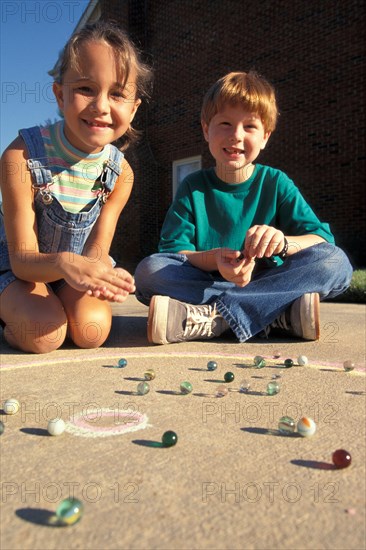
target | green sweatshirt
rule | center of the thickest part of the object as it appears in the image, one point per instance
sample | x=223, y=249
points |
x=209, y=213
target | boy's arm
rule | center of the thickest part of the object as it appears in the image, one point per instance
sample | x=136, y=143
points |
x=205, y=260
x=266, y=241
x=225, y=260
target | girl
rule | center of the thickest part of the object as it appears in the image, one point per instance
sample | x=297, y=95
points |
x=63, y=189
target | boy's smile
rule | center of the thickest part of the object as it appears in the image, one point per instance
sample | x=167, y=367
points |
x=235, y=137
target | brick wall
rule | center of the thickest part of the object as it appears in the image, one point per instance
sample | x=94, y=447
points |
x=313, y=52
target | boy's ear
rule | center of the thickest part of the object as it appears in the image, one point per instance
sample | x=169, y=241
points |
x=204, y=129
x=265, y=139
x=59, y=94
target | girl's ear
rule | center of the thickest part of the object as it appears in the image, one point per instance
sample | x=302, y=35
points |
x=59, y=94
x=135, y=107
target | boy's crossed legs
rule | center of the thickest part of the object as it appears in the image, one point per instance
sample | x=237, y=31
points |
x=193, y=304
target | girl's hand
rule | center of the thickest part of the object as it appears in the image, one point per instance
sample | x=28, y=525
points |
x=95, y=277
x=104, y=294
x=234, y=267
x=263, y=241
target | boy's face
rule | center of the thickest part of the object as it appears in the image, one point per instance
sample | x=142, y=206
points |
x=235, y=138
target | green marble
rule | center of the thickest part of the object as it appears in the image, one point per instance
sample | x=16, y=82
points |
x=169, y=439
x=286, y=425
x=143, y=388
x=122, y=363
x=273, y=388
x=69, y=511
x=186, y=387
x=288, y=363
x=229, y=376
x=259, y=362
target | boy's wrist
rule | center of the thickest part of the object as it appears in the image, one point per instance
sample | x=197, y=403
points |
x=284, y=252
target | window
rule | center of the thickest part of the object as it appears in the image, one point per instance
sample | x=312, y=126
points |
x=183, y=167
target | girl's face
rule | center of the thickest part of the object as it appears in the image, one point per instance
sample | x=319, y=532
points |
x=235, y=137
x=97, y=110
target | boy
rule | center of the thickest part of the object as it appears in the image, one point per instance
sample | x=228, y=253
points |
x=240, y=248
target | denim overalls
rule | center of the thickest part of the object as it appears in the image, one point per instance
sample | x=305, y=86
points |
x=58, y=230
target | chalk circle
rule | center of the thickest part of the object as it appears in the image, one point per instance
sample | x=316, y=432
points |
x=106, y=422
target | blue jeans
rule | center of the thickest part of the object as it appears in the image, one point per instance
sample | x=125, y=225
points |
x=323, y=268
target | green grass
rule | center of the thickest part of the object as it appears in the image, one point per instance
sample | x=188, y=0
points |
x=356, y=294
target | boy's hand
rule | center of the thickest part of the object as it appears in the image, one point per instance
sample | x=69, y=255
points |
x=263, y=241
x=234, y=267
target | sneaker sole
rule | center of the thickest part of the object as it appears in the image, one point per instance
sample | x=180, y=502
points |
x=310, y=310
x=157, y=320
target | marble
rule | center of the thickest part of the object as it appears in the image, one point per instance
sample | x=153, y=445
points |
x=143, y=388
x=273, y=388
x=286, y=425
x=69, y=511
x=259, y=362
x=288, y=363
x=229, y=376
x=348, y=366
x=149, y=374
x=341, y=458
x=11, y=406
x=302, y=360
x=306, y=426
x=244, y=386
x=211, y=365
x=122, y=363
x=56, y=426
x=221, y=391
x=186, y=387
x=169, y=438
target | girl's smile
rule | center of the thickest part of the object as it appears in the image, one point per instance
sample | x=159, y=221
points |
x=97, y=109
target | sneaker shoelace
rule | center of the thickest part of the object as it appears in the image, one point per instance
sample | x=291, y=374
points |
x=199, y=321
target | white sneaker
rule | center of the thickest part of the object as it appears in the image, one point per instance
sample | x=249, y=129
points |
x=173, y=321
x=301, y=319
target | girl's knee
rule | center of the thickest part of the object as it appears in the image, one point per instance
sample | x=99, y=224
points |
x=36, y=336
x=92, y=331
x=35, y=321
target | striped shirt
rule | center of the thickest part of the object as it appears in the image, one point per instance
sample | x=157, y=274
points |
x=75, y=174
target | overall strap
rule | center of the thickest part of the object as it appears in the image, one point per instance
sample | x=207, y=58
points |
x=112, y=169
x=37, y=162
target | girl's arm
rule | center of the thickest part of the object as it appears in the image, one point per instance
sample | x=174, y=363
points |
x=101, y=236
x=27, y=262
x=100, y=239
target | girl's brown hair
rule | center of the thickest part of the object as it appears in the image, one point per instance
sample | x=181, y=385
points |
x=127, y=57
